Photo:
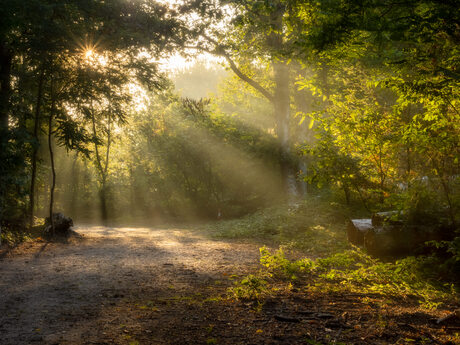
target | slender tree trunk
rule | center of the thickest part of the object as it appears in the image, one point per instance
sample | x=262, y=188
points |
x=6, y=60
x=409, y=166
x=363, y=200
x=382, y=175
x=75, y=178
x=346, y=191
x=53, y=170
x=35, y=147
x=102, y=167
x=282, y=101
x=302, y=99
x=106, y=169
x=103, y=200
x=282, y=110
x=446, y=191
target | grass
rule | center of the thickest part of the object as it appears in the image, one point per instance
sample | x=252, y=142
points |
x=316, y=227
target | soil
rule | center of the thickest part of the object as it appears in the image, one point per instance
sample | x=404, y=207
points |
x=170, y=286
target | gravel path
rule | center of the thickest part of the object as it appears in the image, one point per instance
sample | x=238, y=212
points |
x=85, y=291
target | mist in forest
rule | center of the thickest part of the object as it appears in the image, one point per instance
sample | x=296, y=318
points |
x=199, y=79
x=182, y=157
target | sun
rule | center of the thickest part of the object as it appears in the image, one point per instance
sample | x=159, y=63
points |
x=88, y=53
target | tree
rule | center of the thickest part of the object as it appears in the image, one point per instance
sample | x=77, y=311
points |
x=393, y=90
x=257, y=34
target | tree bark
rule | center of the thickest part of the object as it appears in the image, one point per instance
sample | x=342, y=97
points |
x=103, y=201
x=303, y=104
x=346, y=191
x=53, y=170
x=6, y=60
x=282, y=105
x=102, y=167
x=75, y=177
x=445, y=188
x=282, y=100
x=35, y=148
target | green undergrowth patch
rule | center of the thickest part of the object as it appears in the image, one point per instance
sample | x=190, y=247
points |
x=350, y=270
x=13, y=238
x=19, y=234
x=315, y=227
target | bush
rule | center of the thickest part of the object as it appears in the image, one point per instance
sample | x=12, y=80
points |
x=251, y=287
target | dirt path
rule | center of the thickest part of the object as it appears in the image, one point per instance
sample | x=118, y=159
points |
x=87, y=292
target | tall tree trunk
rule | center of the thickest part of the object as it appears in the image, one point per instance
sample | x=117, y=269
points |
x=6, y=60
x=282, y=104
x=282, y=100
x=35, y=147
x=53, y=170
x=106, y=167
x=303, y=103
x=75, y=178
x=132, y=190
x=101, y=166
x=103, y=200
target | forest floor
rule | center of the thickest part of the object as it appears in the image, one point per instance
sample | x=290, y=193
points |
x=170, y=286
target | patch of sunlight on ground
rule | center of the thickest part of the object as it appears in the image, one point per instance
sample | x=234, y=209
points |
x=169, y=237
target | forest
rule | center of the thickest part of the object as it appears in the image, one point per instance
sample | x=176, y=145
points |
x=248, y=171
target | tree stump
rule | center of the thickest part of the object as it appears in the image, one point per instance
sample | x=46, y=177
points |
x=356, y=230
x=380, y=235
x=62, y=224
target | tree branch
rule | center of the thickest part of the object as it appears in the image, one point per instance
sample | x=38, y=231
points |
x=219, y=50
x=248, y=80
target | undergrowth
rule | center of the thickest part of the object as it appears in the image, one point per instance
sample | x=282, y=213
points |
x=316, y=227
x=13, y=236
x=351, y=270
